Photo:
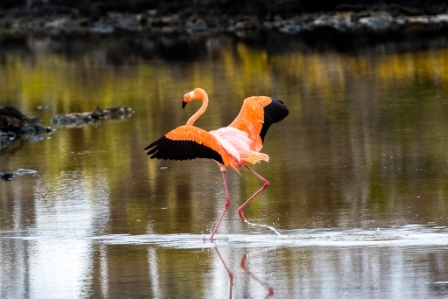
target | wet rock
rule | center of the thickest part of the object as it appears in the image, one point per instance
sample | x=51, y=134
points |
x=354, y=17
x=72, y=119
x=102, y=29
x=6, y=176
x=418, y=20
x=11, y=119
x=291, y=28
x=442, y=18
x=42, y=107
x=35, y=138
x=208, y=17
x=117, y=112
x=22, y=171
x=377, y=21
x=163, y=24
x=275, y=23
x=6, y=138
x=79, y=119
x=246, y=23
x=9, y=176
x=14, y=124
x=339, y=22
x=196, y=25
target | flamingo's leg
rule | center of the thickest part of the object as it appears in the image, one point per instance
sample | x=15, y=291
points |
x=265, y=185
x=227, y=203
x=240, y=209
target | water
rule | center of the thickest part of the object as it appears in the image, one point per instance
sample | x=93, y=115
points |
x=358, y=172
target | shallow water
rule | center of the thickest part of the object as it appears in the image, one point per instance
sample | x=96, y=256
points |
x=357, y=172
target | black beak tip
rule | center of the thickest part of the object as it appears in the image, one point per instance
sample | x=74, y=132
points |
x=184, y=104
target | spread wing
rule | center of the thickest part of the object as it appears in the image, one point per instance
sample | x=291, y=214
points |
x=189, y=142
x=257, y=114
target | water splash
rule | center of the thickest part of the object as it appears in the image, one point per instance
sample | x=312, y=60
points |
x=410, y=235
x=392, y=237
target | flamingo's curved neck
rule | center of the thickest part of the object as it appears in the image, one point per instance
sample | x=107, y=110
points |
x=201, y=111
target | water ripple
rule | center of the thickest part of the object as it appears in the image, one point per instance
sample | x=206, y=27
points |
x=397, y=237
x=405, y=236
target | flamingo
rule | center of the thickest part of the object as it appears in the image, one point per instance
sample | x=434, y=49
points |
x=234, y=146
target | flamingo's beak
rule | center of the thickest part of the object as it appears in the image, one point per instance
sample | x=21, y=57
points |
x=187, y=98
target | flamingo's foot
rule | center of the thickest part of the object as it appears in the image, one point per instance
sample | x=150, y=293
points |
x=207, y=239
x=214, y=238
x=240, y=213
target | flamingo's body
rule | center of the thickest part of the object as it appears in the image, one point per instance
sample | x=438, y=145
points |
x=233, y=146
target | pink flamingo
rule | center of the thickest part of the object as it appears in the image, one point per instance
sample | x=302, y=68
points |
x=233, y=146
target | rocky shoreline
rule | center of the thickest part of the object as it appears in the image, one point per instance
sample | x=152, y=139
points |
x=200, y=19
x=124, y=22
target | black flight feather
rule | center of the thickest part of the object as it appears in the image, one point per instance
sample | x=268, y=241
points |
x=165, y=148
x=274, y=112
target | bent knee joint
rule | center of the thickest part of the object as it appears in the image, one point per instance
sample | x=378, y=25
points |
x=265, y=184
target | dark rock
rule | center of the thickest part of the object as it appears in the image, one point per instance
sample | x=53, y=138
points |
x=14, y=124
x=22, y=171
x=6, y=138
x=377, y=21
x=120, y=111
x=77, y=119
x=12, y=112
x=9, y=176
x=106, y=17
x=6, y=176
x=11, y=119
x=196, y=25
x=356, y=16
x=247, y=23
x=102, y=29
x=71, y=119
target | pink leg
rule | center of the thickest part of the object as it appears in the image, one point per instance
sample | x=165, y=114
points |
x=265, y=185
x=226, y=205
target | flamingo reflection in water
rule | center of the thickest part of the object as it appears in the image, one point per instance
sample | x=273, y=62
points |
x=243, y=266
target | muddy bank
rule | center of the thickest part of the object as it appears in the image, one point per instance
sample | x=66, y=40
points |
x=213, y=16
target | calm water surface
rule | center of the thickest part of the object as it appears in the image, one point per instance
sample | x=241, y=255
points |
x=358, y=173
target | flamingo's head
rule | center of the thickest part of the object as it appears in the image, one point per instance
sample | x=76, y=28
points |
x=195, y=94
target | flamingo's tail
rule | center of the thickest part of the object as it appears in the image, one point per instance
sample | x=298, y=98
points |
x=254, y=157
